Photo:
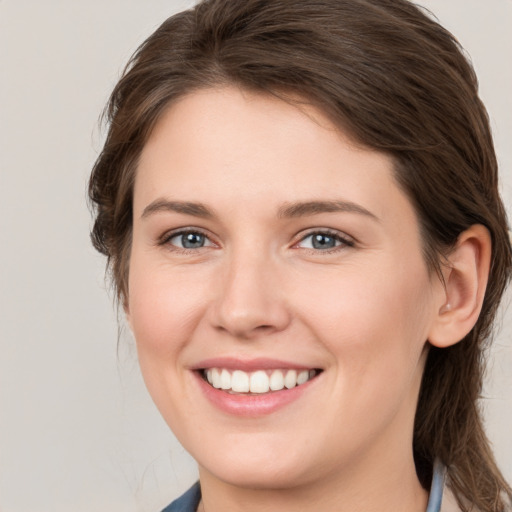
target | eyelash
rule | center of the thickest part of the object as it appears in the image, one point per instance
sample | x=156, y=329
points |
x=167, y=237
x=344, y=241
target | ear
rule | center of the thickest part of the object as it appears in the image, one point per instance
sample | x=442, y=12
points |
x=466, y=274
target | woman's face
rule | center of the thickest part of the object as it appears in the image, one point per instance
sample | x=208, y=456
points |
x=272, y=254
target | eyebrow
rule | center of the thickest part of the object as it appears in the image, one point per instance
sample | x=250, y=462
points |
x=187, y=208
x=303, y=209
x=288, y=210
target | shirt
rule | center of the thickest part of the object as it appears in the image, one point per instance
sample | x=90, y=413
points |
x=440, y=499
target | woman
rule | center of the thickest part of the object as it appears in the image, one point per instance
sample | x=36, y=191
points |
x=298, y=202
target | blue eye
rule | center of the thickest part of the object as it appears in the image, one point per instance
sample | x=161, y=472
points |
x=323, y=241
x=189, y=240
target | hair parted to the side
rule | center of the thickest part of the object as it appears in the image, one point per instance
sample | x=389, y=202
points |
x=396, y=81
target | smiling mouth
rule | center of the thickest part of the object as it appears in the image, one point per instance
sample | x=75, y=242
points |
x=257, y=382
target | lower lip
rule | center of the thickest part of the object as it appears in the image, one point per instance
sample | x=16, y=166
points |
x=251, y=405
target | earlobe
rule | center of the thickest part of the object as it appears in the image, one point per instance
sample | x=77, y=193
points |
x=465, y=274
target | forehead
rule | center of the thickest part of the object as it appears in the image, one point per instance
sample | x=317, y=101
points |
x=235, y=148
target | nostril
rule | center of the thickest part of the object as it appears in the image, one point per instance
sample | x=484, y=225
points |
x=248, y=301
x=246, y=327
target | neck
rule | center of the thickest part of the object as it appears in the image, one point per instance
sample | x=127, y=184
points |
x=373, y=486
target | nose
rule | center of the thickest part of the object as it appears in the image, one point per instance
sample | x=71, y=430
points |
x=250, y=301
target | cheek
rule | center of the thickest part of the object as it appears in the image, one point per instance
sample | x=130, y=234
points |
x=165, y=306
x=375, y=328
x=374, y=322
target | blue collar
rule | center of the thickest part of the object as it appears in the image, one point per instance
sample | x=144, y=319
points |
x=437, y=487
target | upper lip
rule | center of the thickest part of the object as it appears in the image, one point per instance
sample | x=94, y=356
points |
x=248, y=365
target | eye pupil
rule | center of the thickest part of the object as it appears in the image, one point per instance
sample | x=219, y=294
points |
x=192, y=240
x=321, y=241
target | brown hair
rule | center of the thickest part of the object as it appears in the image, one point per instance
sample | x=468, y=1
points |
x=398, y=82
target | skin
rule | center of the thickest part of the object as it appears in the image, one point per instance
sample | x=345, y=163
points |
x=362, y=311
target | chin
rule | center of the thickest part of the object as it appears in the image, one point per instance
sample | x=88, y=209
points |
x=264, y=477
x=261, y=471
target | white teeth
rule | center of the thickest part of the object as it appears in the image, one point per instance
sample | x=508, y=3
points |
x=240, y=382
x=290, y=381
x=225, y=380
x=260, y=381
x=302, y=377
x=276, y=380
x=216, y=378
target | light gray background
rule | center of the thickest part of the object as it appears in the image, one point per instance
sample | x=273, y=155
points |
x=77, y=428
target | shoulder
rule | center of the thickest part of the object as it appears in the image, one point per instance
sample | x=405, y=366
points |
x=187, y=502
